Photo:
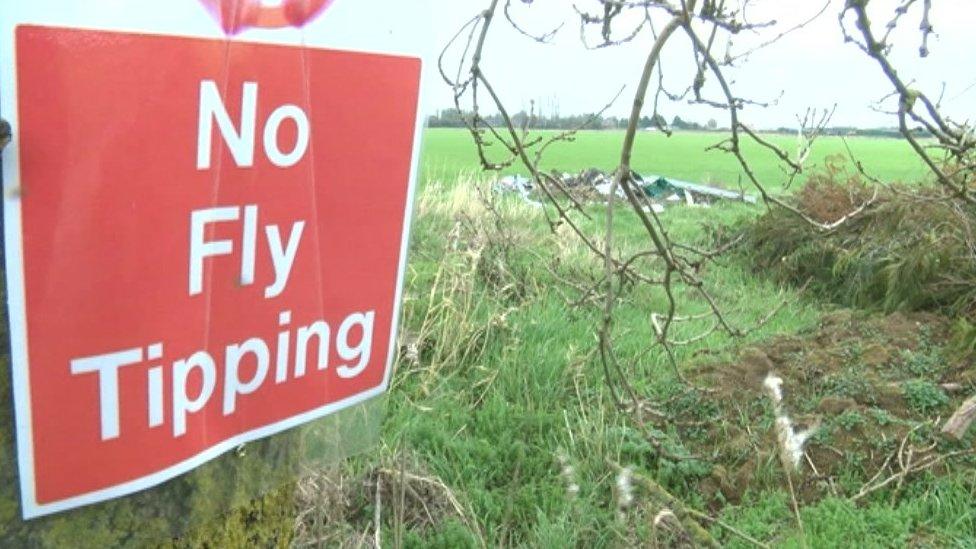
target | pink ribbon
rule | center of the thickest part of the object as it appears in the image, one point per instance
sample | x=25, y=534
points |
x=237, y=15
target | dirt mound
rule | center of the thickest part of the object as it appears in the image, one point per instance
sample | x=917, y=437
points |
x=859, y=394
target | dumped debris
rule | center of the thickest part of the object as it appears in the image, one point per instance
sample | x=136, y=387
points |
x=695, y=193
x=521, y=185
x=596, y=186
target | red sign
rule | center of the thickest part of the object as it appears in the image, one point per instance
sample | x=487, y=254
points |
x=212, y=244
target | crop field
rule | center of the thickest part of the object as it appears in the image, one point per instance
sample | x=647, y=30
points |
x=501, y=431
x=683, y=156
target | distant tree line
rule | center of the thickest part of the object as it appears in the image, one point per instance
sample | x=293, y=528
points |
x=453, y=118
x=864, y=132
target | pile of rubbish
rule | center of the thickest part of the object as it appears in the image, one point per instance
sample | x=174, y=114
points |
x=594, y=185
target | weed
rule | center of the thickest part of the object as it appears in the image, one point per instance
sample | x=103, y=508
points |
x=824, y=436
x=922, y=364
x=850, y=420
x=881, y=416
x=849, y=383
x=924, y=396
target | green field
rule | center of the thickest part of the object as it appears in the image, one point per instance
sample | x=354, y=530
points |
x=499, y=416
x=682, y=156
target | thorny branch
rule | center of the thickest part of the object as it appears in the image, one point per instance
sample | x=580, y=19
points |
x=676, y=268
x=681, y=263
x=957, y=169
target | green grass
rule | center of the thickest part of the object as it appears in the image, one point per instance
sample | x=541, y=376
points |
x=492, y=423
x=939, y=513
x=507, y=389
x=683, y=156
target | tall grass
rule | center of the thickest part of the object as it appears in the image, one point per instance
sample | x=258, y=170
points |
x=496, y=388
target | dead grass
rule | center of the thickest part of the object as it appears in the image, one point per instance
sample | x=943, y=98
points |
x=911, y=250
x=341, y=508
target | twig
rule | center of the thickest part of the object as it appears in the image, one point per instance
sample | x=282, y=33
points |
x=377, y=512
x=726, y=526
x=957, y=425
x=699, y=535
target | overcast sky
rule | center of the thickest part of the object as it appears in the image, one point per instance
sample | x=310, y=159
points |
x=812, y=67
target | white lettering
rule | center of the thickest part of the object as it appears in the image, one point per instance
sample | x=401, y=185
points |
x=212, y=108
x=281, y=358
x=107, y=366
x=155, y=352
x=182, y=403
x=361, y=351
x=248, y=244
x=232, y=379
x=200, y=249
x=195, y=380
x=278, y=158
x=282, y=259
x=320, y=330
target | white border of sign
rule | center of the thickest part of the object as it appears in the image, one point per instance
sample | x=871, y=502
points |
x=185, y=18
